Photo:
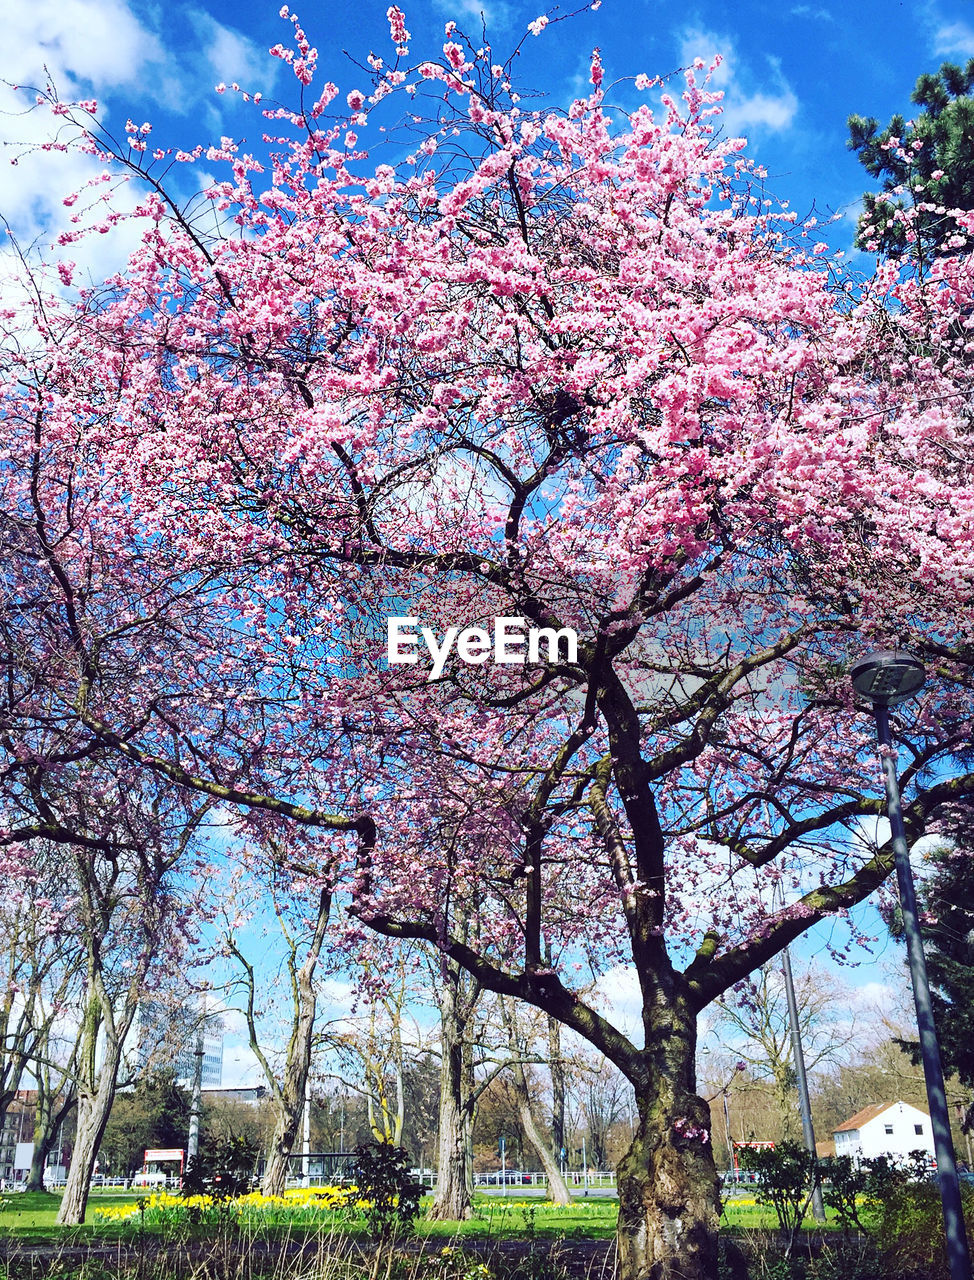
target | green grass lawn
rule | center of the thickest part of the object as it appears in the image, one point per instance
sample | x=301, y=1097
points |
x=31, y=1216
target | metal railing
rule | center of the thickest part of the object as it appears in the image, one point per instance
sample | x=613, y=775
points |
x=510, y=1179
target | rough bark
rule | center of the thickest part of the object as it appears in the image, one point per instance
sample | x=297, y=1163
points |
x=96, y=1093
x=93, y=1113
x=668, y=1197
x=286, y=1122
x=454, y=1179
x=669, y=1201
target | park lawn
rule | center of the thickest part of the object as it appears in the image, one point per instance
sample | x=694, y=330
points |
x=32, y=1216
x=523, y=1217
x=33, y=1212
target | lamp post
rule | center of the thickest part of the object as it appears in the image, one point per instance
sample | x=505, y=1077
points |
x=306, y=1136
x=801, y=1081
x=801, y=1078
x=195, y=1106
x=887, y=677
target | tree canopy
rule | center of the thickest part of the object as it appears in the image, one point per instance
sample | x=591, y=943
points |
x=547, y=367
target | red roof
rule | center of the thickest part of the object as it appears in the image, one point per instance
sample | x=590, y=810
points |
x=870, y=1113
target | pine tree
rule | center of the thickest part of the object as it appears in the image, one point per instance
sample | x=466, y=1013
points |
x=926, y=164
x=948, y=927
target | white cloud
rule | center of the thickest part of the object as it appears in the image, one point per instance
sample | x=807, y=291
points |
x=618, y=998
x=869, y=834
x=92, y=42
x=954, y=39
x=240, y=1069
x=230, y=56
x=813, y=12
x=853, y=210
x=761, y=111
x=81, y=47
x=95, y=48
x=749, y=105
x=496, y=14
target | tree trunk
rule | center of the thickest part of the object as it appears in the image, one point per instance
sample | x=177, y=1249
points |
x=556, y=1066
x=785, y=1085
x=47, y=1122
x=557, y=1191
x=454, y=1176
x=668, y=1190
x=289, y=1098
x=43, y=1129
x=93, y=1112
x=281, y=1148
x=54, y=1105
x=288, y=1094
x=96, y=1088
x=91, y=1126
x=38, y=1160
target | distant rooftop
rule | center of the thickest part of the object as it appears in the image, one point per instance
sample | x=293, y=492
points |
x=870, y=1113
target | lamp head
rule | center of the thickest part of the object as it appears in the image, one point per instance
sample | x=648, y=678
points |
x=887, y=676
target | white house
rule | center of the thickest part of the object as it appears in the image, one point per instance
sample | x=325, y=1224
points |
x=885, y=1129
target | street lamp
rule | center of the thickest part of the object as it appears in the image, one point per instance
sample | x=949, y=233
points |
x=801, y=1081
x=887, y=677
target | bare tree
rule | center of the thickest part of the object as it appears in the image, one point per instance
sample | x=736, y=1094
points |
x=603, y=1099
x=753, y=1024
x=54, y=1064
x=39, y=954
x=125, y=844
x=517, y=1039
x=301, y=912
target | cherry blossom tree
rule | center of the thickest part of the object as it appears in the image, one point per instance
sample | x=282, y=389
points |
x=561, y=367
x=38, y=959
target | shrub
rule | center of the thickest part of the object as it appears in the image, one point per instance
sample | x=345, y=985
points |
x=217, y=1176
x=909, y=1228
x=844, y=1184
x=388, y=1196
x=786, y=1175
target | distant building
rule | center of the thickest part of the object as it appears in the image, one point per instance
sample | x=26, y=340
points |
x=169, y=1036
x=17, y=1132
x=251, y=1094
x=212, y=1056
x=892, y=1129
x=17, y=1142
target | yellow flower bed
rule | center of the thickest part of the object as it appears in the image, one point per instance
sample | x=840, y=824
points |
x=117, y=1212
x=295, y=1199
